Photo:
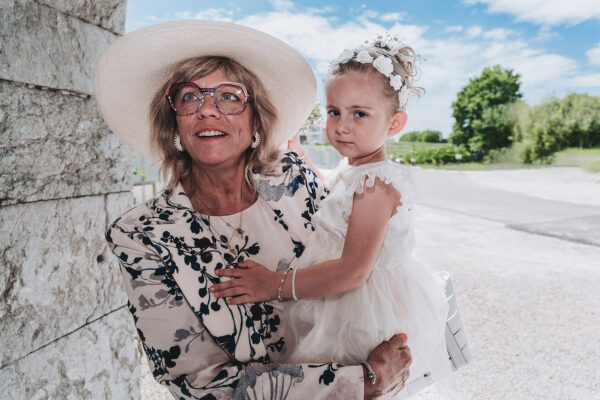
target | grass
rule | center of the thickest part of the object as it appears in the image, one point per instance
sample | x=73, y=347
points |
x=588, y=159
x=405, y=147
x=509, y=158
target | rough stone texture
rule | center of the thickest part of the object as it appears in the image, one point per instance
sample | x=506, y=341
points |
x=42, y=46
x=57, y=272
x=109, y=14
x=99, y=361
x=56, y=145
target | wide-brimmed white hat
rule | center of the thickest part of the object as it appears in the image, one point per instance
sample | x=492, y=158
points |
x=131, y=70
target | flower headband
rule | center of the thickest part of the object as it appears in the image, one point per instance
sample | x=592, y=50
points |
x=384, y=65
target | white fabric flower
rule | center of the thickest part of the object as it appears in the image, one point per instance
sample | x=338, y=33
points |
x=396, y=81
x=346, y=56
x=364, y=57
x=383, y=65
x=403, y=96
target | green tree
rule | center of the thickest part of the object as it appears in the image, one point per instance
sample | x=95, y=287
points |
x=555, y=124
x=479, y=104
x=410, y=136
x=314, y=117
x=430, y=136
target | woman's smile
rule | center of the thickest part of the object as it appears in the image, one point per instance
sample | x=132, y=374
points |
x=210, y=134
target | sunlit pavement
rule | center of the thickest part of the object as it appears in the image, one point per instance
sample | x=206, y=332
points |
x=530, y=302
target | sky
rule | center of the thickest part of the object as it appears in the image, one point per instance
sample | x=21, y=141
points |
x=553, y=44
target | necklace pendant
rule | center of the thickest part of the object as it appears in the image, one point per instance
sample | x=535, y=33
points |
x=240, y=231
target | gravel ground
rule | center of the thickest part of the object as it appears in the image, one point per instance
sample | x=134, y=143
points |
x=530, y=303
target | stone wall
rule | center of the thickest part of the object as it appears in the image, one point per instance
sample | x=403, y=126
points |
x=65, y=332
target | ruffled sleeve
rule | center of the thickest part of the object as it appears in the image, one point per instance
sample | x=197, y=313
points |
x=363, y=176
x=358, y=178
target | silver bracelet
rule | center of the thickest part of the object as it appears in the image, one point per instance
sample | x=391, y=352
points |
x=370, y=373
x=294, y=285
x=281, y=284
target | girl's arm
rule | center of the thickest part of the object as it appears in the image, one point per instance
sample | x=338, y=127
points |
x=367, y=225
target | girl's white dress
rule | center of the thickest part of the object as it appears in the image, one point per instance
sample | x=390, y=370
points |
x=401, y=294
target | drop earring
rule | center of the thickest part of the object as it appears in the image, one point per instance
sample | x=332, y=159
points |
x=177, y=143
x=255, y=140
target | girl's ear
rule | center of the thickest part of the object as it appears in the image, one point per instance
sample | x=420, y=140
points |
x=398, y=123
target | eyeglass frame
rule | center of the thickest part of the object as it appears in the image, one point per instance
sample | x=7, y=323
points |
x=247, y=96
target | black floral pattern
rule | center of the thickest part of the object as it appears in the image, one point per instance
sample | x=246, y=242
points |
x=169, y=254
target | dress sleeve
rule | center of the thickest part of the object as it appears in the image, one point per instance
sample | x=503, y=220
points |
x=360, y=178
x=182, y=355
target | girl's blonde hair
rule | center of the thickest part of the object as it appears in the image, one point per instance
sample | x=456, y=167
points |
x=177, y=165
x=404, y=63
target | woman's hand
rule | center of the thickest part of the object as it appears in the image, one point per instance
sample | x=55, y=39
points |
x=252, y=282
x=390, y=362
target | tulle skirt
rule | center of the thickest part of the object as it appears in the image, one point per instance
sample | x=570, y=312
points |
x=346, y=327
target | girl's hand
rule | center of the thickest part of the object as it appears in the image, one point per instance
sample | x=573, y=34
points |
x=252, y=283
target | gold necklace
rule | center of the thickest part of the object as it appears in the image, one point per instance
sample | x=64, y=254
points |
x=234, y=230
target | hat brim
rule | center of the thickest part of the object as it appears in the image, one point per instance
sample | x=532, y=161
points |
x=131, y=70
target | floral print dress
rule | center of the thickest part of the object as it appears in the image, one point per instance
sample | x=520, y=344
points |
x=197, y=345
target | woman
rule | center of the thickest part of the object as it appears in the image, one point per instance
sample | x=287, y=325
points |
x=213, y=102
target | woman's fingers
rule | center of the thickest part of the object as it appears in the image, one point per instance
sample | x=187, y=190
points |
x=391, y=361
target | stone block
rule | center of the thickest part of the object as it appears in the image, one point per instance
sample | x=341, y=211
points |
x=109, y=14
x=57, y=271
x=56, y=145
x=44, y=46
x=98, y=361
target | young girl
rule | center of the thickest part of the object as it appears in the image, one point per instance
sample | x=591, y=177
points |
x=358, y=279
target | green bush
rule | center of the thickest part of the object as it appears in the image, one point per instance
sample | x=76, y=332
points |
x=436, y=156
x=410, y=136
x=556, y=124
x=426, y=136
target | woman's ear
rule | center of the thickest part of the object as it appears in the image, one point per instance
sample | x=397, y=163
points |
x=398, y=123
x=256, y=125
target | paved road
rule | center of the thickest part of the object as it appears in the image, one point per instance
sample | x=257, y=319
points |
x=457, y=193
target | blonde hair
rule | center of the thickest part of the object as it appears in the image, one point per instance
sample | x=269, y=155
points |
x=404, y=63
x=177, y=165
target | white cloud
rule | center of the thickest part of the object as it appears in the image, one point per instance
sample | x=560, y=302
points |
x=593, y=55
x=367, y=14
x=453, y=29
x=588, y=81
x=474, y=31
x=282, y=5
x=392, y=17
x=498, y=33
x=545, y=12
x=451, y=60
x=214, y=14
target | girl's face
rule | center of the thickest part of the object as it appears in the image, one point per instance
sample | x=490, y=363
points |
x=358, y=117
